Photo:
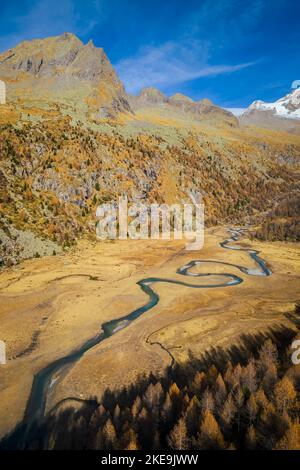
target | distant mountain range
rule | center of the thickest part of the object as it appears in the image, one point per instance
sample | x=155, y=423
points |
x=62, y=71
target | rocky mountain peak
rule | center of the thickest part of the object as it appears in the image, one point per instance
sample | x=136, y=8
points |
x=205, y=102
x=180, y=98
x=152, y=94
x=285, y=107
x=63, y=69
x=283, y=114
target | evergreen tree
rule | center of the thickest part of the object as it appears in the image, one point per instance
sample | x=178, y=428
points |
x=249, y=376
x=210, y=436
x=220, y=391
x=250, y=439
x=285, y=394
x=228, y=413
x=109, y=435
x=207, y=401
x=132, y=441
x=251, y=409
x=291, y=439
x=178, y=438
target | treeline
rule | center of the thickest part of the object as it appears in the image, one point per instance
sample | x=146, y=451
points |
x=250, y=405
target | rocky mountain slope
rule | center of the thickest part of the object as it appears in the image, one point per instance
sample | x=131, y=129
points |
x=63, y=70
x=70, y=139
x=61, y=73
x=54, y=175
x=203, y=110
x=287, y=107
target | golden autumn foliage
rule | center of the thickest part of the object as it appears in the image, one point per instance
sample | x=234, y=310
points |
x=203, y=409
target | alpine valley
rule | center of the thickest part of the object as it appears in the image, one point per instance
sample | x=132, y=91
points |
x=141, y=344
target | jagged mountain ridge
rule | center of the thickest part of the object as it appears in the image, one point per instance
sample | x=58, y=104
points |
x=62, y=69
x=286, y=107
x=199, y=110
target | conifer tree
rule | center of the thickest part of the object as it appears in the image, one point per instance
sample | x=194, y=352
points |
x=109, y=435
x=192, y=415
x=136, y=407
x=174, y=391
x=220, y=391
x=285, y=394
x=252, y=409
x=291, y=439
x=198, y=382
x=268, y=355
x=166, y=412
x=132, y=441
x=251, y=439
x=249, y=376
x=207, y=401
x=228, y=413
x=178, y=438
x=210, y=436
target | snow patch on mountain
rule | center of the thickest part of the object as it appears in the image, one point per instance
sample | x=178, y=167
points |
x=287, y=107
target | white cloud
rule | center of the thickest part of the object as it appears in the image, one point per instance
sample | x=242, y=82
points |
x=169, y=64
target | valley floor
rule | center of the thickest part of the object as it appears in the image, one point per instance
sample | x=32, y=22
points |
x=51, y=306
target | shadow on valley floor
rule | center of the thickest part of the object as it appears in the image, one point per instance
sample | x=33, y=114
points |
x=244, y=396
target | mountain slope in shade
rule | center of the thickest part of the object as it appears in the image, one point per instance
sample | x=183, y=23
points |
x=203, y=110
x=63, y=70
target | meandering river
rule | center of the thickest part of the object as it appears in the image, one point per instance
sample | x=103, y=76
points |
x=46, y=377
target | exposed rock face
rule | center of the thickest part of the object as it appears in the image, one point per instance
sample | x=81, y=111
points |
x=180, y=99
x=149, y=96
x=182, y=102
x=207, y=109
x=152, y=95
x=200, y=110
x=62, y=69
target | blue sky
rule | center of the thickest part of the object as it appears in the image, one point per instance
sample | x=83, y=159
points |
x=231, y=51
